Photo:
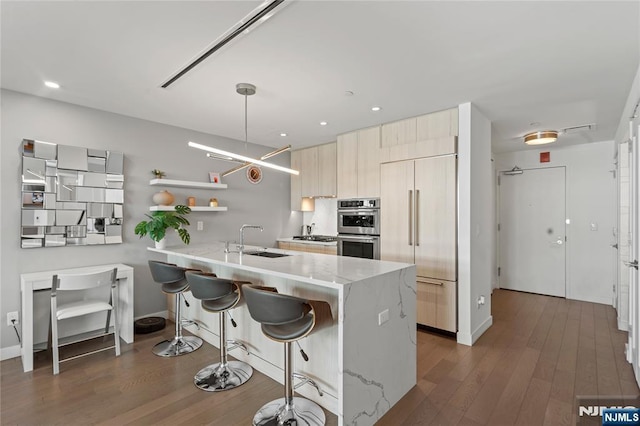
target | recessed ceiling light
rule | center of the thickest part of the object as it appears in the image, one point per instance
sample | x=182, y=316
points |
x=52, y=84
x=283, y=134
x=375, y=108
x=323, y=123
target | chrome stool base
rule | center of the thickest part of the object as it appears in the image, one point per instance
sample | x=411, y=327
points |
x=216, y=377
x=301, y=412
x=177, y=346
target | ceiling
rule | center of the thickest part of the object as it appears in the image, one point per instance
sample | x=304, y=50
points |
x=555, y=63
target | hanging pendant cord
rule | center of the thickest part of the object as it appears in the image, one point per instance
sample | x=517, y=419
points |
x=246, y=137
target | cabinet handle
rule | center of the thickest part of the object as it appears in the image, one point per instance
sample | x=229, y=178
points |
x=410, y=217
x=431, y=283
x=417, y=217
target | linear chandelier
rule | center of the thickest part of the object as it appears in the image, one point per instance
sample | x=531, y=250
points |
x=242, y=158
x=243, y=164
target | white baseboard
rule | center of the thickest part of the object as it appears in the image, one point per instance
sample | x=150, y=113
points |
x=470, y=339
x=163, y=314
x=10, y=352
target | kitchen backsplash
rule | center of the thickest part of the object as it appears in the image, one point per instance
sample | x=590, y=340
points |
x=325, y=217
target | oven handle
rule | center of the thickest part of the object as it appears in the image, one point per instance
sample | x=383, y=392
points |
x=356, y=238
x=358, y=211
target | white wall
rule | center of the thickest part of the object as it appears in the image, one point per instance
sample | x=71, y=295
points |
x=590, y=199
x=476, y=224
x=146, y=145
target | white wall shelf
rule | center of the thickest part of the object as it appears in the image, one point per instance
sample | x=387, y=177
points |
x=186, y=184
x=193, y=209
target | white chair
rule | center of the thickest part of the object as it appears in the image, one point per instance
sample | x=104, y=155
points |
x=87, y=286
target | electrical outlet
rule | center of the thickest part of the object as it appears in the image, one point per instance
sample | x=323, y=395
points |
x=480, y=301
x=200, y=225
x=383, y=317
x=13, y=318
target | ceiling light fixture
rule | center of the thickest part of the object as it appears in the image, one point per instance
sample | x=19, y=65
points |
x=323, y=123
x=257, y=16
x=245, y=89
x=52, y=84
x=283, y=134
x=242, y=158
x=375, y=108
x=540, y=138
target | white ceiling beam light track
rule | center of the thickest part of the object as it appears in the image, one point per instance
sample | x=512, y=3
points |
x=256, y=17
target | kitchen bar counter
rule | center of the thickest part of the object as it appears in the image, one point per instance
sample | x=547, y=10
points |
x=365, y=362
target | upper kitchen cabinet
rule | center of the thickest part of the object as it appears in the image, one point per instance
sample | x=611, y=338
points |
x=309, y=172
x=424, y=136
x=296, y=191
x=317, y=166
x=359, y=163
x=327, y=169
x=400, y=132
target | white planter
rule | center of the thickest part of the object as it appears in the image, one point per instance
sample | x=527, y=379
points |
x=161, y=244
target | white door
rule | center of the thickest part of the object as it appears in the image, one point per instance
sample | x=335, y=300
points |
x=633, y=354
x=532, y=231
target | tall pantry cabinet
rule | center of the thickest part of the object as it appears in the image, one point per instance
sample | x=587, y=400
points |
x=418, y=191
x=418, y=225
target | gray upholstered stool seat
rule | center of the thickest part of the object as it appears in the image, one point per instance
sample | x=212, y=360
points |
x=287, y=319
x=219, y=295
x=173, y=281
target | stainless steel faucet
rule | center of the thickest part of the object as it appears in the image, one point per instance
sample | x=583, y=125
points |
x=242, y=228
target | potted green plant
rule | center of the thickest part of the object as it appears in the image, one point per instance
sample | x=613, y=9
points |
x=160, y=221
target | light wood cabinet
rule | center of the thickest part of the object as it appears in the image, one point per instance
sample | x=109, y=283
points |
x=309, y=172
x=317, y=178
x=418, y=219
x=436, y=304
x=327, y=169
x=359, y=163
x=347, y=150
x=308, y=248
x=424, y=136
x=296, y=188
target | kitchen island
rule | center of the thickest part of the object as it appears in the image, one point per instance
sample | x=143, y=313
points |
x=365, y=362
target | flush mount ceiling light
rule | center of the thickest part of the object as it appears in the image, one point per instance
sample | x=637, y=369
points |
x=540, y=138
x=257, y=16
x=245, y=89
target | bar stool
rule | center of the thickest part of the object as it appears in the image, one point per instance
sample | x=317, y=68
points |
x=287, y=319
x=174, y=282
x=219, y=295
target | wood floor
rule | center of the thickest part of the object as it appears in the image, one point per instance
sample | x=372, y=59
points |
x=525, y=370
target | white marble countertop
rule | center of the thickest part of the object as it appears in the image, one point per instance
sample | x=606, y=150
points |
x=319, y=269
x=317, y=243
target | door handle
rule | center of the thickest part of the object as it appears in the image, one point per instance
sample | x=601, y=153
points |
x=410, y=217
x=633, y=264
x=417, y=224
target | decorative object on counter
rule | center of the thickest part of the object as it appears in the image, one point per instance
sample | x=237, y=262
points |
x=191, y=201
x=160, y=221
x=163, y=198
x=159, y=174
x=254, y=174
x=214, y=177
x=213, y=202
x=245, y=89
x=70, y=195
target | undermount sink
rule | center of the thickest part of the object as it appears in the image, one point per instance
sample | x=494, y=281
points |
x=320, y=238
x=265, y=254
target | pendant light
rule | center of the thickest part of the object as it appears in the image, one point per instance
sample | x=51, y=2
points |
x=245, y=89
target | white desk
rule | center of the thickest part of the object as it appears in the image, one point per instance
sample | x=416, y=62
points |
x=36, y=281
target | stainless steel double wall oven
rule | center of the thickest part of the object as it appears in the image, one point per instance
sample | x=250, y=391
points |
x=359, y=228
